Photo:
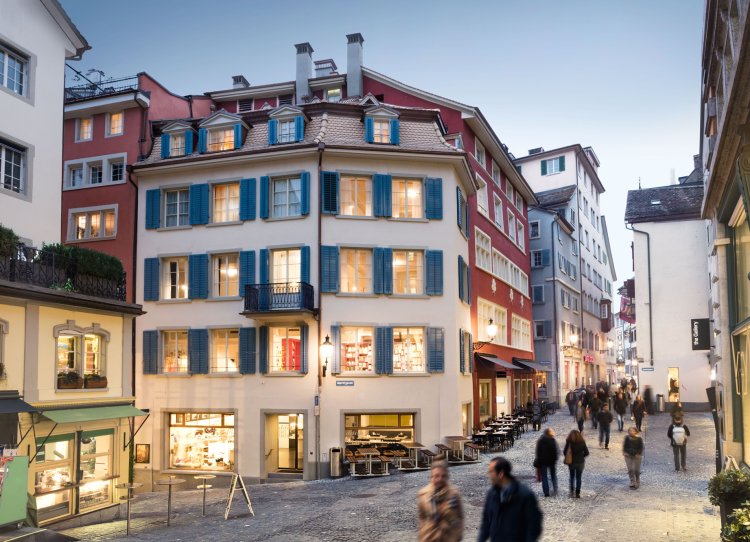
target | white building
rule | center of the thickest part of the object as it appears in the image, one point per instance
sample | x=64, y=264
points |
x=229, y=208
x=36, y=37
x=671, y=289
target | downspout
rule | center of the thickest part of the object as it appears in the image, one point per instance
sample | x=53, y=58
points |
x=133, y=274
x=321, y=148
x=648, y=260
x=580, y=260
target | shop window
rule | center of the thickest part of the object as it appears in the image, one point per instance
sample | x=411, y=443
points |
x=225, y=350
x=356, y=349
x=286, y=353
x=175, y=351
x=53, y=473
x=356, y=270
x=226, y=203
x=356, y=195
x=96, y=468
x=287, y=197
x=376, y=427
x=225, y=275
x=175, y=278
x=81, y=356
x=176, y=208
x=408, y=350
x=201, y=441
x=286, y=266
x=407, y=199
x=407, y=272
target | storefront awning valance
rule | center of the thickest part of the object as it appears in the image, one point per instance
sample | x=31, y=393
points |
x=14, y=406
x=91, y=414
x=533, y=365
x=497, y=361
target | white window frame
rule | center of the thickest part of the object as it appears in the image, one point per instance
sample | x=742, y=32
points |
x=5, y=54
x=496, y=174
x=410, y=354
x=521, y=236
x=106, y=161
x=291, y=270
x=356, y=182
x=512, y=230
x=487, y=310
x=498, y=213
x=108, y=124
x=96, y=170
x=419, y=275
x=509, y=273
x=219, y=336
x=89, y=211
x=404, y=213
x=273, y=367
x=231, y=275
x=186, y=201
x=381, y=130
x=164, y=336
x=520, y=333
x=362, y=257
x=333, y=95
x=534, y=254
x=287, y=131
x=535, y=224
x=480, y=153
x=289, y=182
x=369, y=356
x=182, y=275
x=78, y=134
x=220, y=138
x=483, y=250
x=230, y=213
x=482, y=197
x=5, y=148
x=176, y=144
x=111, y=172
x=553, y=165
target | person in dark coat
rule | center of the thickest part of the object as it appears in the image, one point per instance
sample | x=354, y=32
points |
x=595, y=405
x=638, y=410
x=580, y=414
x=547, y=454
x=605, y=420
x=678, y=433
x=571, y=399
x=577, y=445
x=536, y=416
x=632, y=451
x=649, y=400
x=621, y=407
x=511, y=512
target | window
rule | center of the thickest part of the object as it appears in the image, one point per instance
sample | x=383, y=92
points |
x=509, y=192
x=483, y=248
x=94, y=171
x=356, y=270
x=176, y=145
x=553, y=165
x=537, y=293
x=226, y=202
x=359, y=427
x=408, y=272
x=92, y=225
x=539, y=329
x=286, y=266
x=511, y=226
x=519, y=202
x=76, y=176
x=498, y=212
x=408, y=350
x=509, y=272
x=333, y=95
x=286, y=351
x=176, y=208
x=381, y=130
x=482, y=204
x=572, y=216
x=407, y=198
x=13, y=168
x=356, y=196
x=286, y=99
x=226, y=275
x=463, y=222
x=14, y=71
x=585, y=206
x=116, y=172
x=220, y=139
x=95, y=174
x=115, y=123
x=480, y=154
x=534, y=229
x=287, y=195
x=80, y=354
x=84, y=129
x=175, y=278
x=175, y=351
x=201, y=441
x=521, y=237
x=95, y=461
x=356, y=350
x=536, y=258
x=520, y=333
x=225, y=350
x=496, y=175
x=487, y=311
x=286, y=131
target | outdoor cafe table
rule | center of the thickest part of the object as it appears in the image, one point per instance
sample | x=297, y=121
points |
x=134, y=485
x=169, y=482
x=368, y=453
x=458, y=444
x=204, y=485
x=415, y=446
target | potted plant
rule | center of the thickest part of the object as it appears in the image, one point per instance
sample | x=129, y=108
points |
x=94, y=380
x=737, y=528
x=729, y=489
x=70, y=380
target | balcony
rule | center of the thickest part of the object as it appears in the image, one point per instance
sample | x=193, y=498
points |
x=278, y=300
x=106, y=87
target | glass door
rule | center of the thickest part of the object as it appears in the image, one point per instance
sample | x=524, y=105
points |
x=53, y=477
x=95, y=470
x=291, y=442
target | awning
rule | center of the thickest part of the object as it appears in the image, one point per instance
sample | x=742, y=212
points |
x=497, y=361
x=533, y=365
x=14, y=405
x=77, y=415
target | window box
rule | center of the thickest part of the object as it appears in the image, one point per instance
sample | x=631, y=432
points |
x=94, y=380
x=69, y=381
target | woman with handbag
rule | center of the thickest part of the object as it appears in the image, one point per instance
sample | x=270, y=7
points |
x=575, y=453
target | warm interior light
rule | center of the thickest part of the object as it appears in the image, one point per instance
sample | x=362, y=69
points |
x=232, y=272
x=491, y=330
x=574, y=339
x=610, y=344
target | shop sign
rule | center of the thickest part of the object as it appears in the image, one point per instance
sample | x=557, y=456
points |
x=647, y=369
x=700, y=333
x=588, y=359
x=345, y=382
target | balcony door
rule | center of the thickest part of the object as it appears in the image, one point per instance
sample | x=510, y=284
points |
x=286, y=274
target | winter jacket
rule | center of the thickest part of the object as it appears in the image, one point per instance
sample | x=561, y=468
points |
x=511, y=515
x=638, y=409
x=580, y=412
x=440, y=513
x=621, y=405
x=671, y=429
x=604, y=417
x=580, y=451
x=547, y=451
x=632, y=446
x=595, y=404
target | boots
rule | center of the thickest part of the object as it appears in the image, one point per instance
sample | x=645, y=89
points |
x=578, y=494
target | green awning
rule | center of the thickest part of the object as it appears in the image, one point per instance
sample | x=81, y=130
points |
x=77, y=415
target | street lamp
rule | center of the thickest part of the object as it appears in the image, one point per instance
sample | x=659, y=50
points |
x=326, y=351
x=573, y=342
x=491, y=331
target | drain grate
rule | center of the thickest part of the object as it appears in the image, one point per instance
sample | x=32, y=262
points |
x=364, y=496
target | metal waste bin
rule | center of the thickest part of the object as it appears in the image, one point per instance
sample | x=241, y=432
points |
x=660, y=403
x=335, y=459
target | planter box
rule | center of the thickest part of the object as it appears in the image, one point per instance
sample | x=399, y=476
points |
x=65, y=385
x=98, y=383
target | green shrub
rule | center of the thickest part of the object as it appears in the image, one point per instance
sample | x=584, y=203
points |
x=8, y=241
x=729, y=485
x=83, y=261
x=738, y=527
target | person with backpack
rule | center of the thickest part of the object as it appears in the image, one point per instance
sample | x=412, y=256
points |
x=678, y=434
x=638, y=410
x=575, y=453
x=621, y=406
x=632, y=451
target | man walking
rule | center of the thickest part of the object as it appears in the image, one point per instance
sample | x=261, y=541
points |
x=547, y=454
x=572, y=399
x=511, y=512
x=621, y=407
x=605, y=419
x=595, y=405
x=441, y=515
x=632, y=450
x=678, y=434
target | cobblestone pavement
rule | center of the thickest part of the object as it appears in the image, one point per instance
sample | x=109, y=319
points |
x=668, y=506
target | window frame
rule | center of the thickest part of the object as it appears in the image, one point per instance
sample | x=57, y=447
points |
x=356, y=180
x=482, y=250
x=483, y=197
x=550, y=169
x=287, y=266
x=23, y=153
x=288, y=180
x=497, y=174
x=397, y=330
x=163, y=334
x=108, y=124
x=498, y=206
x=480, y=153
x=26, y=61
x=407, y=181
x=79, y=335
x=535, y=224
x=165, y=210
x=216, y=282
x=213, y=356
x=344, y=276
x=231, y=213
x=78, y=128
x=182, y=284
x=286, y=131
x=521, y=333
x=328, y=95
x=487, y=309
x=381, y=130
x=420, y=273
x=360, y=331
x=226, y=142
x=272, y=358
x=103, y=211
x=107, y=163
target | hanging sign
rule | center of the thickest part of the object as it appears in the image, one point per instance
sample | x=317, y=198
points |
x=699, y=330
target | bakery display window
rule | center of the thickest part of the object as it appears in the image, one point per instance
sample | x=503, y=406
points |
x=202, y=441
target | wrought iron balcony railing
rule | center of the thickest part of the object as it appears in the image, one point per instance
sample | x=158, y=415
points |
x=102, y=88
x=279, y=297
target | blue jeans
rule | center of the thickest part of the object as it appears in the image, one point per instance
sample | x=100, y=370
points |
x=620, y=422
x=552, y=472
x=576, y=470
x=604, y=432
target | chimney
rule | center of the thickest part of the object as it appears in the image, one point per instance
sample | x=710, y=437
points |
x=325, y=67
x=538, y=150
x=239, y=81
x=304, y=70
x=697, y=162
x=354, y=64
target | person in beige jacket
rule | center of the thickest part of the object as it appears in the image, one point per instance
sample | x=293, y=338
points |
x=441, y=514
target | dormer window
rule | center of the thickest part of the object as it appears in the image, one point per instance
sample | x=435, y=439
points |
x=333, y=95
x=286, y=131
x=286, y=125
x=221, y=132
x=220, y=139
x=382, y=131
x=382, y=126
x=177, y=145
x=177, y=140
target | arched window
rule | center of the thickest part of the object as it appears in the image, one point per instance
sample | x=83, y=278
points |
x=81, y=355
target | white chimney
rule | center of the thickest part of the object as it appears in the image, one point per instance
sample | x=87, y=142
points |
x=354, y=64
x=304, y=71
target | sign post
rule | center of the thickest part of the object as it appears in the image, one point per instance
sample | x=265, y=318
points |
x=237, y=481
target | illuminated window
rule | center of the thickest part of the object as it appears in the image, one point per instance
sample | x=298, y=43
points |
x=356, y=350
x=286, y=349
x=381, y=130
x=408, y=350
x=225, y=350
x=407, y=198
x=115, y=124
x=176, y=144
x=286, y=266
x=201, y=441
x=175, y=351
x=175, y=278
x=226, y=202
x=356, y=270
x=220, y=139
x=84, y=129
x=408, y=272
x=356, y=196
x=226, y=275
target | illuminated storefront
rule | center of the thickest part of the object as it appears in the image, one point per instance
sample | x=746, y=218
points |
x=379, y=427
x=202, y=441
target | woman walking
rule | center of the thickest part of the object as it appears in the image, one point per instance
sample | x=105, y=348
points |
x=580, y=414
x=632, y=450
x=575, y=445
x=638, y=410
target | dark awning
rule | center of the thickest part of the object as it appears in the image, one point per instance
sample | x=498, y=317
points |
x=533, y=365
x=11, y=403
x=497, y=361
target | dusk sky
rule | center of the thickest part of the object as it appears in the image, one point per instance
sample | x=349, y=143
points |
x=622, y=77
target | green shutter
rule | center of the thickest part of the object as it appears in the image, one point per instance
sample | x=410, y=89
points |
x=544, y=167
x=562, y=163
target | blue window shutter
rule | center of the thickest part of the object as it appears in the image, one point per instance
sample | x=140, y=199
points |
x=202, y=140
x=382, y=199
x=470, y=338
x=378, y=272
x=263, y=349
x=459, y=209
x=165, y=145
x=544, y=167
x=150, y=352
x=434, y=199
x=299, y=128
x=153, y=209
x=545, y=257
x=461, y=351
x=435, y=349
x=384, y=350
x=335, y=340
x=305, y=203
x=329, y=269
x=237, y=135
x=330, y=194
x=264, y=182
x=394, y=132
x=247, y=269
x=151, y=279
x=547, y=325
x=387, y=271
x=198, y=276
x=247, y=199
x=247, y=350
x=467, y=269
x=199, y=204
x=369, y=130
x=562, y=163
x=273, y=125
x=434, y=272
x=461, y=285
x=304, y=344
x=188, y=142
x=198, y=351
x=305, y=264
x=263, y=268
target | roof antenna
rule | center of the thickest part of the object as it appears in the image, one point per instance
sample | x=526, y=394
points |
x=639, y=183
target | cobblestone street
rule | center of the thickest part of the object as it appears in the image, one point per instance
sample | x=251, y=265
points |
x=668, y=506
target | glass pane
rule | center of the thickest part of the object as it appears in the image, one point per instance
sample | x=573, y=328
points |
x=109, y=223
x=285, y=349
x=201, y=448
x=226, y=348
x=92, y=345
x=96, y=220
x=66, y=353
x=175, y=352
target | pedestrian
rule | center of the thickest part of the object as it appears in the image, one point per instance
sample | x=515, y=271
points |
x=595, y=405
x=511, y=512
x=638, y=410
x=441, y=515
x=580, y=414
x=678, y=433
x=547, y=454
x=536, y=416
x=604, y=419
x=676, y=410
x=649, y=400
x=621, y=407
x=575, y=451
x=632, y=450
x=571, y=399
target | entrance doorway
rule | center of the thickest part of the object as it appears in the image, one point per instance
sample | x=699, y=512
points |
x=291, y=442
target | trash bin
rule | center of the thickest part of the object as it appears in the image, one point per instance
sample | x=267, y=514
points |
x=335, y=459
x=660, y=403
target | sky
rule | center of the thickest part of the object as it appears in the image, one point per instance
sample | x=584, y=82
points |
x=621, y=77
